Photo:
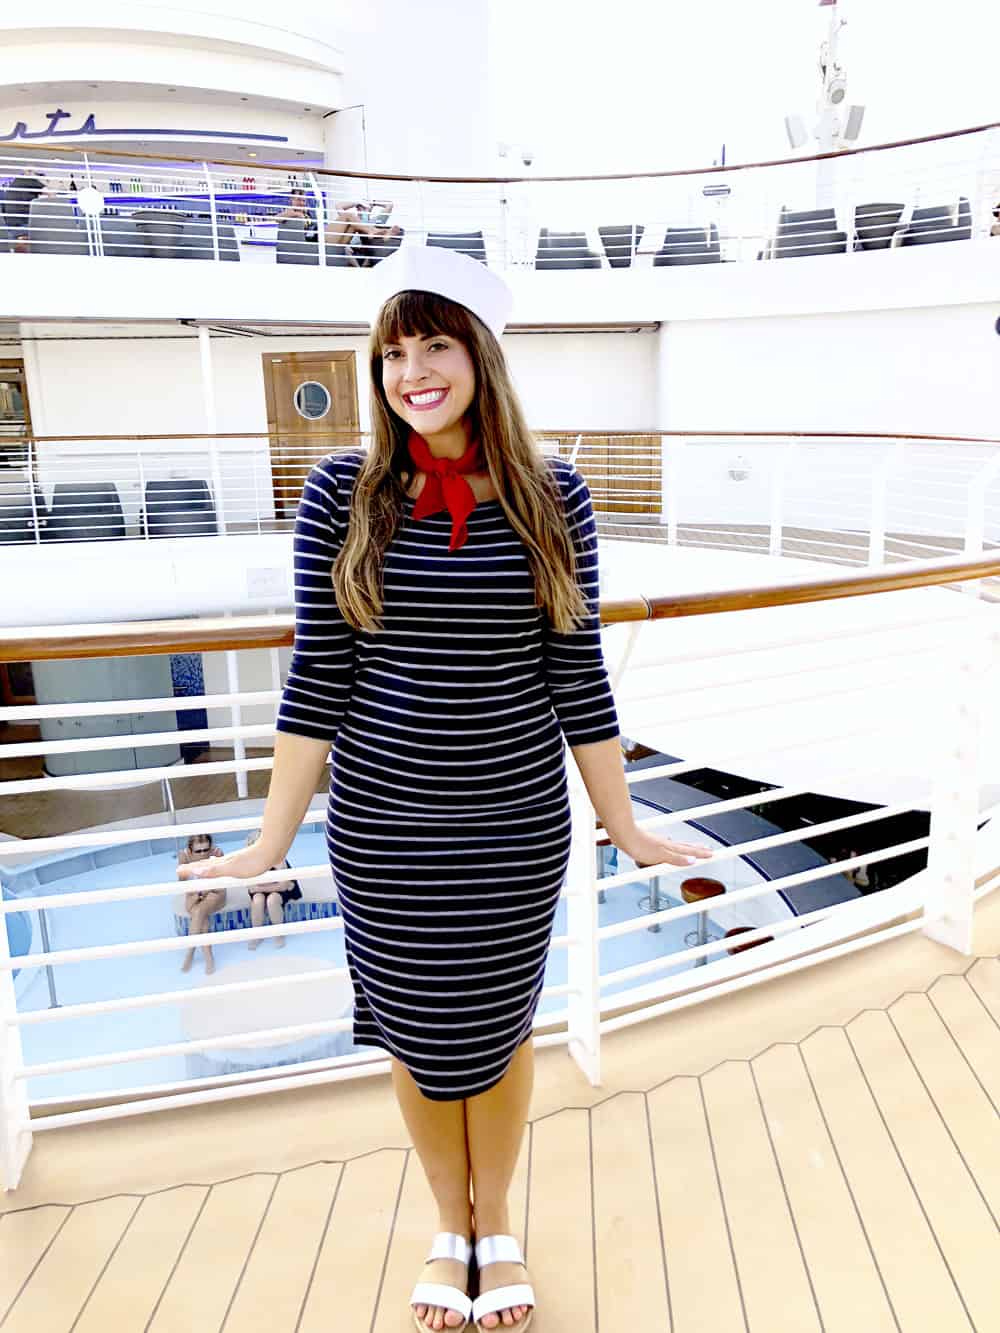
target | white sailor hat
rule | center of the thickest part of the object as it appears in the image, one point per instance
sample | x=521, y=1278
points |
x=451, y=274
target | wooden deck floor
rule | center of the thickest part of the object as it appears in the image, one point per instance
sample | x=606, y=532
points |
x=817, y=1155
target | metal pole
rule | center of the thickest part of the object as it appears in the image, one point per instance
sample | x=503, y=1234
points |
x=211, y=424
x=43, y=926
x=236, y=714
x=213, y=212
x=320, y=218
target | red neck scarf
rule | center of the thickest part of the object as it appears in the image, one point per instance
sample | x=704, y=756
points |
x=446, y=487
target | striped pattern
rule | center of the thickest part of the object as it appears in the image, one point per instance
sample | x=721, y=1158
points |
x=448, y=824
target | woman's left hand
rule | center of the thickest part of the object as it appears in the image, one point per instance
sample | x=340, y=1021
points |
x=646, y=849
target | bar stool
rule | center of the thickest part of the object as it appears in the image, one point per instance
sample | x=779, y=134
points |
x=603, y=846
x=652, y=903
x=697, y=890
x=749, y=944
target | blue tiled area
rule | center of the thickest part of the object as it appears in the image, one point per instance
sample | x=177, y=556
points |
x=148, y=919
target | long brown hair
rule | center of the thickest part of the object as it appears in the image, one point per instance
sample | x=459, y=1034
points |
x=523, y=481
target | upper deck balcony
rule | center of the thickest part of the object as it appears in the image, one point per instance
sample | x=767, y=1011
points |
x=110, y=236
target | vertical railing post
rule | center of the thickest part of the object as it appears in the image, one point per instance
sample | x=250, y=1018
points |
x=949, y=897
x=778, y=499
x=880, y=501
x=320, y=217
x=975, y=519
x=213, y=212
x=504, y=237
x=582, y=954
x=32, y=462
x=670, y=472
x=211, y=424
x=15, y=1133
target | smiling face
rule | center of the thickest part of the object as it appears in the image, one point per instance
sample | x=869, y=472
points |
x=429, y=382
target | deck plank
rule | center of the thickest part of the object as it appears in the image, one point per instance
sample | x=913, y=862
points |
x=140, y=1267
x=919, y=1284
x=845, y=1277
x=631, y=1277
x=209, y=1268
x=560, y=1224
x=984, y=978
x=349, y=1266
x=412, y=1232
x=957, y=1211
x=704, y=1291
x=24, y=1238
x=279, y=1267
x=768, y=1256
x=60, y=1284
x=968, y=1114
x=972, y=1029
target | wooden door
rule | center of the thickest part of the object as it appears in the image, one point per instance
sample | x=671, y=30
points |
x=309, y=394
x=15, y=413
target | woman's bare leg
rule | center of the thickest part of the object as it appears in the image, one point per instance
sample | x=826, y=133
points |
x=495, y=1122
x=276, y=915
x=340, y=232
x=256, y=915
x=201, y=915
x=438, y=1133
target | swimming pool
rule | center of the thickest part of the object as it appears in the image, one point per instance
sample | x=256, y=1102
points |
x=154, y=861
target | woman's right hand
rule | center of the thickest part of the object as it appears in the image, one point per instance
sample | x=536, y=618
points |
x=242, y=864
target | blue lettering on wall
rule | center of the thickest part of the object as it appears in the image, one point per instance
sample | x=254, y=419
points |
x=89, y=127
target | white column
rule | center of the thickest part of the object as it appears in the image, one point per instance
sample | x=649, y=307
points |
x=15, y=1136
x=582, y=955
x=345, y=139
x=949, y=900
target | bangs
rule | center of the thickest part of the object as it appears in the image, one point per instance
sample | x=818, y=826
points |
x=415, y=314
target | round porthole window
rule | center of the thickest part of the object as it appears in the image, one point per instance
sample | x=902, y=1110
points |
x=312, y=400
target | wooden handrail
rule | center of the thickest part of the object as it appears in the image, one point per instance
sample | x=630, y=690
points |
x=500, y=180
x=213, y=634
x=537, y=431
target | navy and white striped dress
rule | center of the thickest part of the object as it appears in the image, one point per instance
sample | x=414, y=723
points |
x=448, y=821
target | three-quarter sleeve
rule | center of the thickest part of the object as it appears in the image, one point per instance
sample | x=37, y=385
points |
x=322, y=668
x=574, y=663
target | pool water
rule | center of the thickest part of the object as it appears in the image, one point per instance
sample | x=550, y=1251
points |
x=153, y=918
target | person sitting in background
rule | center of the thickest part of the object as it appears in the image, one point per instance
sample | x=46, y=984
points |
x=200, y=904
x=362, y=233
x=300, y=210
x=995, y=229
x=270, y=898
x=17, y=201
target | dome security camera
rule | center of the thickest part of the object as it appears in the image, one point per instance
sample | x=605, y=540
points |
x=527, y=157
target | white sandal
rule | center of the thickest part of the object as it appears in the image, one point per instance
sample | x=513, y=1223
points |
x=502, y=1250
x=446, y=1245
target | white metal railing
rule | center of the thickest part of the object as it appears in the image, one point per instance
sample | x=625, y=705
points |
x=857, y=500
x=835, y=700
x=119, y=206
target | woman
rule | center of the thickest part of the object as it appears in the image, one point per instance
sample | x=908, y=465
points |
x=270, y=899
x=200, y=905
x=447, y=639
x=361, y=234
